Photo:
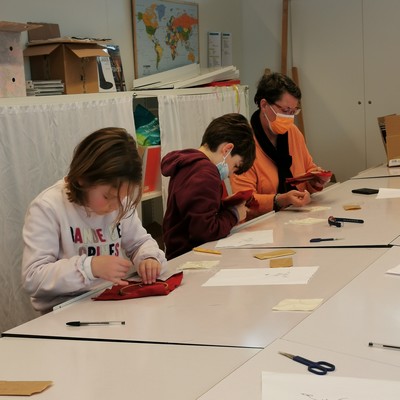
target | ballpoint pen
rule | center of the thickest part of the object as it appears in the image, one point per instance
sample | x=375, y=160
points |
x=80, y=323
x=354, y=220
x=315, y=240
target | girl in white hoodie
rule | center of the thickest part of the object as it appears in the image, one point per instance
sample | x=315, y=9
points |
x=84, y=230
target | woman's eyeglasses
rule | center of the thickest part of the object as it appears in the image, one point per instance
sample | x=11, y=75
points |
x=287, y=110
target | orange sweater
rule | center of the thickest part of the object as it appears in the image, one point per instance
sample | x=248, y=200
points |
x=262, y=177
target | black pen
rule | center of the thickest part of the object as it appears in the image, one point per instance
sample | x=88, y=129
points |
x=385, y=346
x=80, y=323
x=315, y=240
x=356, y=221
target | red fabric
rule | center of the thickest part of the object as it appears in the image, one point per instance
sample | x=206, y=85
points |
x=138, y=289
x=240, y=197
x=323, y=175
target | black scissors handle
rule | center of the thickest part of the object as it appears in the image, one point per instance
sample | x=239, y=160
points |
x=316, y=367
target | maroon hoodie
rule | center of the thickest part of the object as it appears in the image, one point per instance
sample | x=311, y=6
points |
x=194, y=213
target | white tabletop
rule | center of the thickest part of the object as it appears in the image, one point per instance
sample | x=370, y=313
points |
x=98, y=370
x=193, y=314
x=379, y=171
x=366, y=310
x=245, y=382
x=380, y=217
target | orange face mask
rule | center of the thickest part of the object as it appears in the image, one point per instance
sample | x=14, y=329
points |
x=281, y=124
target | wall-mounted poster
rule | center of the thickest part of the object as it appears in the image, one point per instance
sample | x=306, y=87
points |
x=165, y=35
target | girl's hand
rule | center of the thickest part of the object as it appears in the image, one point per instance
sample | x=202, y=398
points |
x=149, y=270
x=111, y=268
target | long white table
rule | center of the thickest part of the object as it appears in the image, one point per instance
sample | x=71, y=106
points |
x=103, y=371
x=380, y=225
x=223, y=316
x=380, y=171
x=366, y=310
x=245, y=382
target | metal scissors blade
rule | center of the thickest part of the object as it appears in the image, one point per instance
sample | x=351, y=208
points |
x=316, y=367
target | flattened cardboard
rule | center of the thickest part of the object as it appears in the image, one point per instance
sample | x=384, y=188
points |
x=389, y=126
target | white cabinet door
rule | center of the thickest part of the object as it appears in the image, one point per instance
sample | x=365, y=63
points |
x=327, y=41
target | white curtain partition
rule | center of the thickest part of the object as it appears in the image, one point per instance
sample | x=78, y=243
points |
x=37, y=138
x=184, y=118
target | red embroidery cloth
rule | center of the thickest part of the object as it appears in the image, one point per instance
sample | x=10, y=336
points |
x=138, y=289
x=323, y=175
x=240, y=197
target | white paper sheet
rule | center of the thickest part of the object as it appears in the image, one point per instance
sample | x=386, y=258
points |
x=246, y=238
x=386, y=193
x=394, y=270
x=309, y=386
x=262, y=276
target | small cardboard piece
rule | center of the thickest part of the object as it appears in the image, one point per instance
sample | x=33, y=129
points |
x=12, y=77
x=274, y=254
x=74, y=61
x=389, y=126
x=281, y=262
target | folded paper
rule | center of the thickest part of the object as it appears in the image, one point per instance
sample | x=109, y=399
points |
x=197, y=265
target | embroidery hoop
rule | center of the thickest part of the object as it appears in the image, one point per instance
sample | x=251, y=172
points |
x=125, y=289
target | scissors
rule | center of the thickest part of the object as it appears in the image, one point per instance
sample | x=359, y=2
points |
x=316, y=367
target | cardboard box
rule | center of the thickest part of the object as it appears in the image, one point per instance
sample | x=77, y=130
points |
x=12, y=77
x=389, y=126
x=151, y=156
x=73, y=61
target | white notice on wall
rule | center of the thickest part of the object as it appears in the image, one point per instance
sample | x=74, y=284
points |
x=226, y=49
x=214, y=49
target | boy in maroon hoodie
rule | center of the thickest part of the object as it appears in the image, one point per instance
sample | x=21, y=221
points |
x=194, y=213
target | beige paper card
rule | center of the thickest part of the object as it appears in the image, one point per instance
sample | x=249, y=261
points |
x=281, y=262
x=22, y=388
x=274, y=253
x=349, y=207
x=298, y=304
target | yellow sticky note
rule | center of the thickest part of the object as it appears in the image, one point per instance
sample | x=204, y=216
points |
x=298, y=304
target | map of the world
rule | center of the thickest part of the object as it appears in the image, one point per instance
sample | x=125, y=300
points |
x=166, y=35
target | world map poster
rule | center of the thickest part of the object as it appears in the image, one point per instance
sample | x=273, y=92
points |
x=166, y=35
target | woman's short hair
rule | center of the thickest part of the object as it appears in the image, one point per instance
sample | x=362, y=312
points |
x=271, y=87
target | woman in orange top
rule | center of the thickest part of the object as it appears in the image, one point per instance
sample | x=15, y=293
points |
x=281, y=151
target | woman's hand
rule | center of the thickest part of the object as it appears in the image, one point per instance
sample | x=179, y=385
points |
x=293, y=198
x=319, y=182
